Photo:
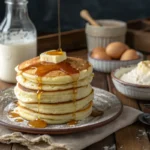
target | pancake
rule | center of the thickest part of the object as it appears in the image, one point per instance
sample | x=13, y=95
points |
x=68, y=71
x=58, y=108
x=55, y=119
x=30, y=96
x=51, y=87
x=57, y=92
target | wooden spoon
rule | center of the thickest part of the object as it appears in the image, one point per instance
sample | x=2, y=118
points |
x=85, y=15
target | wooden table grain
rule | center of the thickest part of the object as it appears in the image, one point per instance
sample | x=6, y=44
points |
x=133, y=137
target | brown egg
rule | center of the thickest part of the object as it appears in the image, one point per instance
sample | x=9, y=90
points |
x=98, y=49
x=100, y=55
x=129, y=54
x=116, y=49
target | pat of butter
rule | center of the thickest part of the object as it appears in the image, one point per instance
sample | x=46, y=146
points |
x=53, y=56
x=144, y=66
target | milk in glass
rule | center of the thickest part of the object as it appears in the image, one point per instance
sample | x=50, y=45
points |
x=18, y=39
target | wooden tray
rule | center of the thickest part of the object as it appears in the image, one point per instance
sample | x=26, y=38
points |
x=138, y=34
x=71, y=40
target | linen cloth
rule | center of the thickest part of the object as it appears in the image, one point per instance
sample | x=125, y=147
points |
x=75, y=141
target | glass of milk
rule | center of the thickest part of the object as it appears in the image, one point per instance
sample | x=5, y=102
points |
x=18, y=39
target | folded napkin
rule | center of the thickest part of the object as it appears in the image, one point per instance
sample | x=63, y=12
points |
x=75, y=141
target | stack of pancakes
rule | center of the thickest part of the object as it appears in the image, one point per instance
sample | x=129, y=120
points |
x=55, y=93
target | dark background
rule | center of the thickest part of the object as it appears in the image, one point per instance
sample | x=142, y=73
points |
x=43, y=13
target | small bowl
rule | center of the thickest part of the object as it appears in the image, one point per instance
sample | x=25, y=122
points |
x=135, y=91
x=110, y=31
x=109, y=65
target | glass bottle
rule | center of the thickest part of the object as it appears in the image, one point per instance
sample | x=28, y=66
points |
x=18, y=39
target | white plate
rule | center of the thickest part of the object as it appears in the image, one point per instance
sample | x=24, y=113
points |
x=103, y=100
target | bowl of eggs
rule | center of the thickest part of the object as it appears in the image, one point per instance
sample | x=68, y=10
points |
x=115, y=55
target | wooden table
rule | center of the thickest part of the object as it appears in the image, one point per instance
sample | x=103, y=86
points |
x=133, y=137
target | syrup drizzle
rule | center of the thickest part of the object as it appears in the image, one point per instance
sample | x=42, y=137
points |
x=43, y=68
x=19, y=120
x=13, y=114
x=39, y=98
x=38, y=123
x=72, y=122
x=58, y=52
x=59, y=25
x=39, y=92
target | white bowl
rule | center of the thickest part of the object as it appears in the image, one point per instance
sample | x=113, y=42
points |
x=109, y=65
x=110, y=31
x=135, y=91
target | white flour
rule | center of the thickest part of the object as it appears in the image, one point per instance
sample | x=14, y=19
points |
x=139, y=75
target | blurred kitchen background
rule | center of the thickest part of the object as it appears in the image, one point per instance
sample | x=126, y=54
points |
x=43, y=13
